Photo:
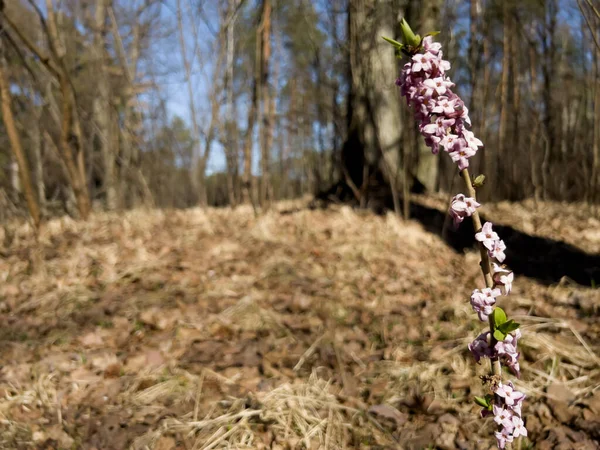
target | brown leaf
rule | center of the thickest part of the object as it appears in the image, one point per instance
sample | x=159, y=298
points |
x=165, y=443
x=154, y=359
x=92, y=339
x=388, y=412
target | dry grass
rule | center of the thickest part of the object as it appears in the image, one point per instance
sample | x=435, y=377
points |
x=305, y=329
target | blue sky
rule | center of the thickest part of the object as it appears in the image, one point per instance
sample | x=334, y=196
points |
x=202, y=57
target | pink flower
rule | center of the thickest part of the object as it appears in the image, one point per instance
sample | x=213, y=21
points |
x=482, y=302
x=472, y=205
x=507, y=392
x=461, y=155
x=503, y=416
x=480, y=347
x=497, y=251
x=462, y=207
x=518, y=427
x=516, y=408
x=490, y=295
x=472, y=141
x=487, y=236
x=430, y=46
x=444, y=106
x=502, y=438
x=503, y=277
x=448, y=141
x=422, y=61
x=438, y=85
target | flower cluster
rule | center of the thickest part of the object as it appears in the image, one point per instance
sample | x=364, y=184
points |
x=508, y=414
x=490, y=240
x=462, y=207
x=506, y=350
x=441, y=114
x=483, y=302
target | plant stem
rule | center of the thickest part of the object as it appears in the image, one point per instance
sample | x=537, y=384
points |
x=485, y=265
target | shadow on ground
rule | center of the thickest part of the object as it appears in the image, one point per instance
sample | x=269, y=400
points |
x=546, y=260
x=543, y=259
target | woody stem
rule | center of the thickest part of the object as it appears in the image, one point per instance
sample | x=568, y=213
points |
x=485, y=264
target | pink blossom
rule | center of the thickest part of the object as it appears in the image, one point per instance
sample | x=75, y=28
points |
x=518, y=427
x=502, y=438
x=508, y=394
x=480, y=348
x=448, y=141
x=503, y=416
x=444, y=106
x=472, y=205
x=497, y=251
x=491, y=294
x=483, y=301
x=462, y=207
x=472, y=141
x=502, y=277
x=461, y=155
x=438, y=85
x=443, y=65
x=430, y=46
x=422, y=61
x=516, y=408
x=512, y=362
x=487, y=236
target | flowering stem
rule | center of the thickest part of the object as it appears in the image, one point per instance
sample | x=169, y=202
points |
x=485, y=264
x=443, y=121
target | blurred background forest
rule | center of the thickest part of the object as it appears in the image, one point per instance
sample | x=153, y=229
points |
x=115, y=104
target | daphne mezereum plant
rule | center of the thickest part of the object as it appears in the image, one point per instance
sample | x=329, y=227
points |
x=443, y=119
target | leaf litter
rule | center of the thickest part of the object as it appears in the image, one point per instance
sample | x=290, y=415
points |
x=297, y=329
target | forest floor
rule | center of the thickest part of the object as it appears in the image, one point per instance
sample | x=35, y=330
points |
x=295, y=329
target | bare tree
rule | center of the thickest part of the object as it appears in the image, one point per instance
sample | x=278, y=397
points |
x=14, y=138
x=70, y=144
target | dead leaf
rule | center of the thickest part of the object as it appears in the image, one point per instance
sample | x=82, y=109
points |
x=388, y=412
x=165, y=443
x=91, y=340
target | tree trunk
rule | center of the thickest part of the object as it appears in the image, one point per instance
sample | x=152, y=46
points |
x=374, y=123
x=595, y=176
x=37, y=144
x=230, y=127
x=102, y=108
x=196, y=153
x=515, y=161
x=267, y=107
x=15, y=142
x=501, y=150
x=548, y=73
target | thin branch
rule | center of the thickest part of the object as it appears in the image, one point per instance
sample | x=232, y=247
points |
x=45, y=59
x=589, y=24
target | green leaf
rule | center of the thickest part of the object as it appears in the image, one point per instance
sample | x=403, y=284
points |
x=433, y=33
x=509, y=326
x=396, y=44
x=408, y=36
x=498, y=317
x=499, y=335
x=483, y=402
